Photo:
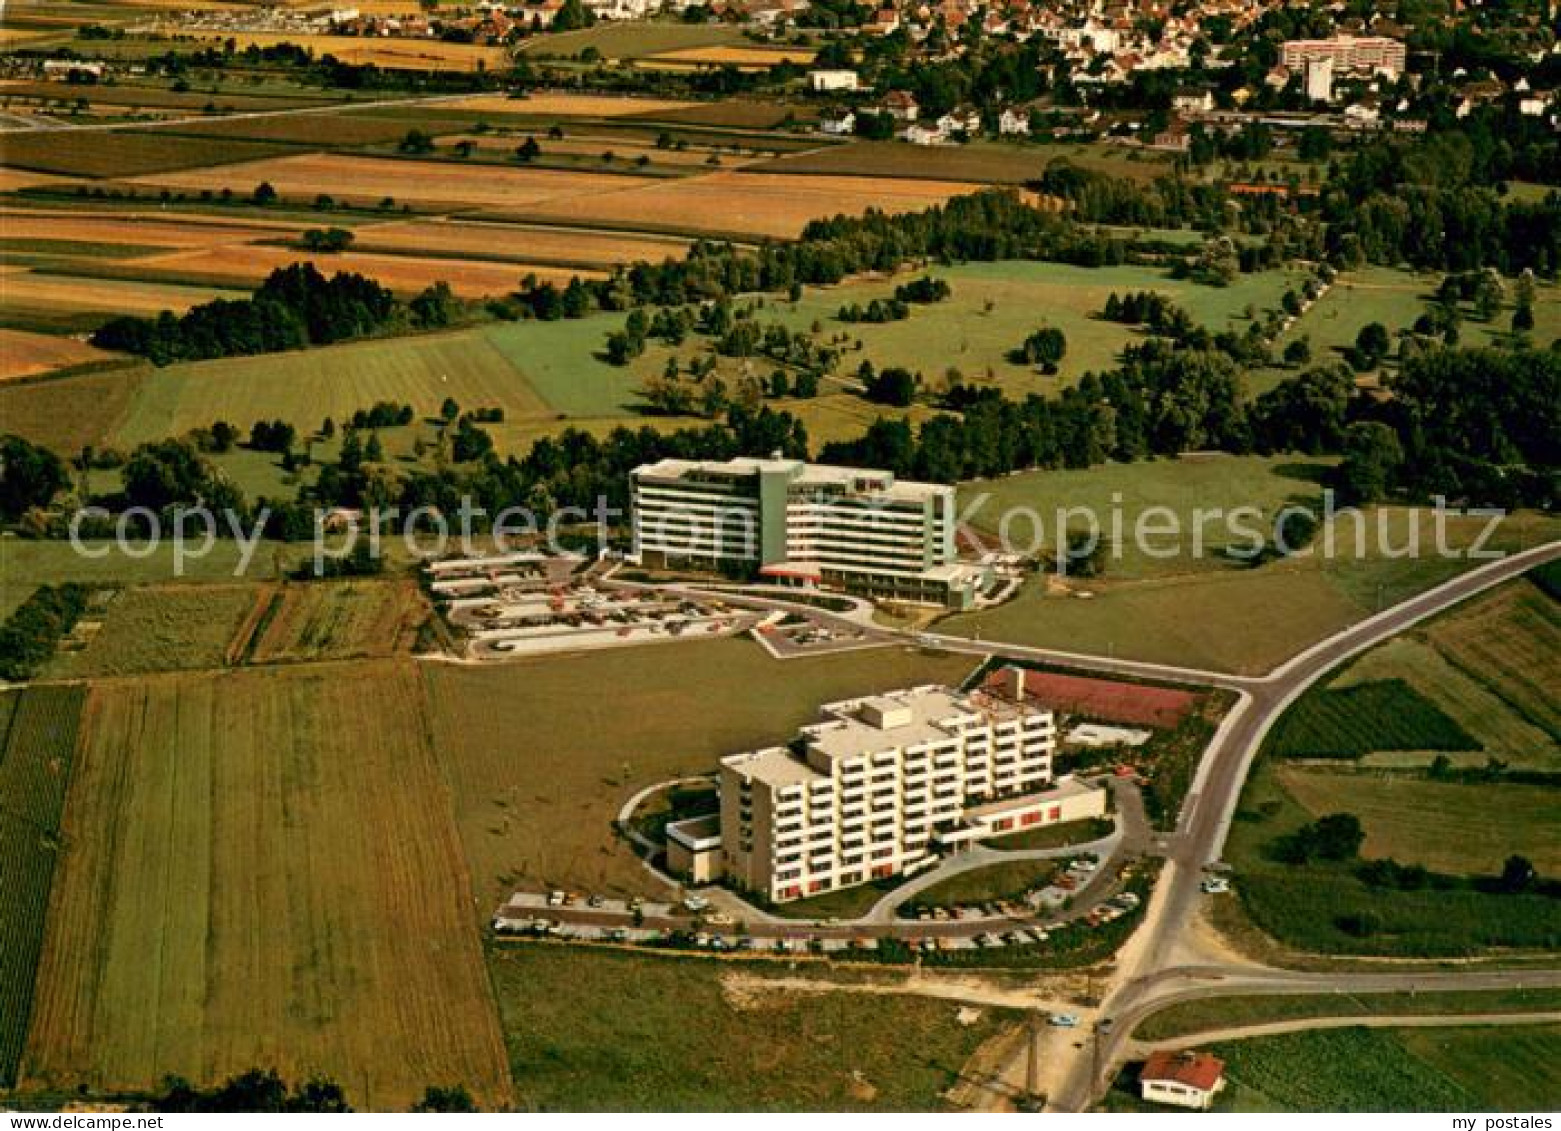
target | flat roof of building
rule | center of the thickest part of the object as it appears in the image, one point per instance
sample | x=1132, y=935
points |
x=864, y=481
x=1063, y=788
x=697, y=834
x=920, y=714
x=774, y=765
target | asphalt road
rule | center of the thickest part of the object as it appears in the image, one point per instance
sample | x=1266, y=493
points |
x=1211, y=803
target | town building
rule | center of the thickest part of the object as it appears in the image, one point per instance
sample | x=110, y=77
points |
x=1319, y=79
x=832, y=80
x=1014, y=122
x=805, y=525
x=838, y=122
x=1182, y=1079
x=882, y=785
x=1366, y=54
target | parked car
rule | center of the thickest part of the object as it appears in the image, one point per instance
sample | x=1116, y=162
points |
x=1064, y=1020
x=1215, y=886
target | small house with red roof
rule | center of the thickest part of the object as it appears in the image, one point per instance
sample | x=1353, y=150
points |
x=1183, y=1079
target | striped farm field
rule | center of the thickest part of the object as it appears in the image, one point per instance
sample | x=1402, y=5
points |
x=397, y=54
x=370, y=179
x=562, y=104
x=37, y=747
x=66, y=414
x=25, y=355
x=125, y=153
x=263, y=869
x=732, y=55
x=518, y=243
x=145, y=229
x=346, y=620
x=758, y=204
x=306, y=386
x=33, y=289
x=245, y=265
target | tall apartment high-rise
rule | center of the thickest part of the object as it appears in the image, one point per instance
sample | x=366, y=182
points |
x=882, y=785
x=803, y=524
x=1370, y=54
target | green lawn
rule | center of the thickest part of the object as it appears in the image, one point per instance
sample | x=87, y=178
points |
x=1007, y=880
x=1206, y=618
x=602, y=1031
x=304, y=387
x=633, y=40
x=994, y=307
x=1129, y=489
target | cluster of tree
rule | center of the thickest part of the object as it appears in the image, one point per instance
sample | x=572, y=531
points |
x=927, y=289
x=271, y=436
x=164, y=473
x=295, y=306
x=892, y=385
x=1045, y=348
x=1147, y=308
x=31, y=633
x=878, y=310
x=383, y=414
x=623, y=346
x=327, y=240
x=1338, y=836
x=985, y=226
x=1162, y=402
x=30, y=476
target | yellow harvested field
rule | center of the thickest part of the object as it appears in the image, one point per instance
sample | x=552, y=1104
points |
x=150, y=231
x=370, y=179
x=593, y=146
x=402, y=54
x=15, y=36
x=759, y=204
x=13, y=179
x=31, y=289
x=518, y=242
x=564, y=105
x=246, y=264
x=261, y=868
x=740, y=57
x=24, y=355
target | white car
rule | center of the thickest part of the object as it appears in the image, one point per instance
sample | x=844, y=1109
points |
x=1064, y=1020
x=1215, y=886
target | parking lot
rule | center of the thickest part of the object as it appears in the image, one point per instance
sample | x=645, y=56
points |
x=531, y=604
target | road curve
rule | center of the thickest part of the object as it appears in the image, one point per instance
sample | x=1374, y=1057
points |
x=1216, y=788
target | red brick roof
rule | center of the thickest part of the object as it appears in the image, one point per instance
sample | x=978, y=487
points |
x=1199, y=1070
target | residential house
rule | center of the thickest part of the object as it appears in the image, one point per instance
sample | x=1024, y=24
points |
x=1014, y=121
x=1182, y=1079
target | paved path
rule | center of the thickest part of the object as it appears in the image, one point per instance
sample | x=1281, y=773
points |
x=247, y=115
x=1345, y=1021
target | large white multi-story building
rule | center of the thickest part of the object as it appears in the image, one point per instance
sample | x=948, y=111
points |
x=803, y=524
x=882, y=784
x=1371, y=54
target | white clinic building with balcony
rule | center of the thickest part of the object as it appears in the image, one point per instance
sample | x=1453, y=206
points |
x=803, y=524
x=884, y=784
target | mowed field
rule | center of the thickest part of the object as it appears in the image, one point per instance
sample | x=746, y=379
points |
x=38, y=729
x=1447, y=826
x=262, y=870
x=524, y=244
x=371, y=179
x=540, y=754
x=246, y=265
x=122, y=153
x=756, y=204
x=307, y=386
x=1203, y=617
x=23, y=354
